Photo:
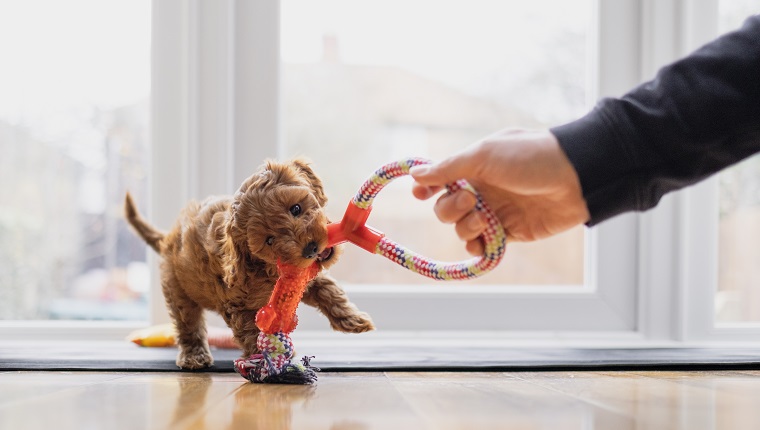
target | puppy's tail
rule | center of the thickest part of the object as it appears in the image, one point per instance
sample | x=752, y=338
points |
x=147, y=232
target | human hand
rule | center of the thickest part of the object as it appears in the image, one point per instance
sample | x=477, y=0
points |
x=524, y=176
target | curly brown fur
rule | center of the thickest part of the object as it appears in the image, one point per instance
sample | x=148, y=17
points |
x=221, y=255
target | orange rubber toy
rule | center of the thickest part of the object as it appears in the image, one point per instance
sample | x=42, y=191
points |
x=279, y=314
x=276, y=320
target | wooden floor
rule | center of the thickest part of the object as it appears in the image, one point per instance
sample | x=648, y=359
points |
x=393, y=400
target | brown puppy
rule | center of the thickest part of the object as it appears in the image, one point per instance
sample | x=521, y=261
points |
x=221, y=255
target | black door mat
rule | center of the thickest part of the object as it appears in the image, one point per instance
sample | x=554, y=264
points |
x=127, y=357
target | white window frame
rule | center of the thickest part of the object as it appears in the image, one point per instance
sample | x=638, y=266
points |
x=215, y=99
x=216, y=128
x=679, y=240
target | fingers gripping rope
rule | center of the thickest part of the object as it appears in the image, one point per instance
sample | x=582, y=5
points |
x=352, y=228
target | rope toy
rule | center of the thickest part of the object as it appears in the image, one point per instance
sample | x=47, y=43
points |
x=276, y=320
x=352, y=228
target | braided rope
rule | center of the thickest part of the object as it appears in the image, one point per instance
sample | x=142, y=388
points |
x=274, y=364
x=494, y=237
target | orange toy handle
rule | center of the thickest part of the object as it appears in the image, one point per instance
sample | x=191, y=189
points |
x=279, y=314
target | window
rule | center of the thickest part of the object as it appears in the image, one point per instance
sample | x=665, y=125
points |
x=236, y=82
x=222, y=95
x=358, y=92
x=737, y=299
x=74, y=135
x=704, y=258
x=366, y=82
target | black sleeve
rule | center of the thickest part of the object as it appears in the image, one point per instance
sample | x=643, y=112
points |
x=699, y=115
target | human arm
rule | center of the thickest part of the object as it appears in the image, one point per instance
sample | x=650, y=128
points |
x=698, y=116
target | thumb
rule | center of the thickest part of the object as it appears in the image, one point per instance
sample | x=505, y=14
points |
x=460, y=166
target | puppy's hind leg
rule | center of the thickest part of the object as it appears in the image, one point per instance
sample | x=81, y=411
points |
x=325, y=295
x=188, y=318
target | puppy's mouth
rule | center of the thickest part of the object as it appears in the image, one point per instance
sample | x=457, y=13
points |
x=325, y=255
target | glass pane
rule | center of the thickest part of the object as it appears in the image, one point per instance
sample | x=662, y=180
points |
x=369, y=82
x=738, y=295
x=75, y=82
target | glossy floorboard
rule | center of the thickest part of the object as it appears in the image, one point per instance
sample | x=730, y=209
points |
x=391, y=400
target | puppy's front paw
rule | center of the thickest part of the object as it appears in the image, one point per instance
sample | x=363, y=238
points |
x=358, y=322
x=194, y=358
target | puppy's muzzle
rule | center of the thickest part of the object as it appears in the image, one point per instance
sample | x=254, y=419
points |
x=310, y=250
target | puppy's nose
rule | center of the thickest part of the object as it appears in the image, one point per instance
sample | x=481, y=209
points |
x=310, y=250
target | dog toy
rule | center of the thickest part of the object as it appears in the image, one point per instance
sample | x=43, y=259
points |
x=276, y=320
x=352, y=228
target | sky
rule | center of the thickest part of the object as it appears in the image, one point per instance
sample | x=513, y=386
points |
x=63, y=61
x=459, y=43
x=60, y=54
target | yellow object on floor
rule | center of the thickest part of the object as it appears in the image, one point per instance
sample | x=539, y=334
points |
x=164, y=335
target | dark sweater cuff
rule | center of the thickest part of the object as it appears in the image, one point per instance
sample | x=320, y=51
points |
x=600, y=160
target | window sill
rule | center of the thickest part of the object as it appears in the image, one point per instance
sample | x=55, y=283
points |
x=16, y=330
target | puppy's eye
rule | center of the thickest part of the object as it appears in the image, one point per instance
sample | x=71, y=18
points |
x=295, y=210
x=270, y=240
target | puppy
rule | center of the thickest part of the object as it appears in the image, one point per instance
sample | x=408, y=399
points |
x=221, y=255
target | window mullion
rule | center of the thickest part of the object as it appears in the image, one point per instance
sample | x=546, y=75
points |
x=256, y=114
x=676, y=272
x=172, y=26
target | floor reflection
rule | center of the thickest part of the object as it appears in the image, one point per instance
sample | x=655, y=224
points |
x=268, y=406
x=405, y=400
x=193, y=392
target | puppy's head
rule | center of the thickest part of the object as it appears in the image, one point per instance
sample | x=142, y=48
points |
x=279, y=214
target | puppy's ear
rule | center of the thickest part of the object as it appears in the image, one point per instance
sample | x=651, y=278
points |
x=258, y=180
x=233, y=252
x=232, y=238
x=314, y=181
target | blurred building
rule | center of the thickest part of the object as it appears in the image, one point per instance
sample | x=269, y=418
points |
x=350, y=119
x=66, y=251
